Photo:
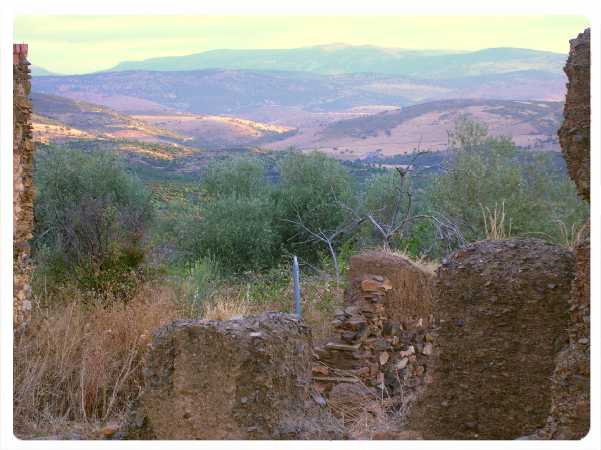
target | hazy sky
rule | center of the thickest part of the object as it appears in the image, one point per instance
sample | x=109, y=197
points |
x=79, y=44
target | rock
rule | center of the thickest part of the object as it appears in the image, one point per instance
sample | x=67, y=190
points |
x=370, y=285
x=401, y=364
x=217, y=380
x=427, y=350
x=384, y=357
x=321, y=370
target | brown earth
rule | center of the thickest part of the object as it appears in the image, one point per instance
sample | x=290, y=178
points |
x=238, y=379
x=575, y=132
x=503, y=311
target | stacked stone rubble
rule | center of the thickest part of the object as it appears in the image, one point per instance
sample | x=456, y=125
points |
x=374, y=342
x=23, y=150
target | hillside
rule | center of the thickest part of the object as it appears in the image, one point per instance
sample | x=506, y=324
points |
x=57, y=119
x=531, y=124
x=274, y=96
x=94, y=120
x=341, y=58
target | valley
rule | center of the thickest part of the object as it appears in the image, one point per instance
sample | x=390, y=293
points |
x=170, y=116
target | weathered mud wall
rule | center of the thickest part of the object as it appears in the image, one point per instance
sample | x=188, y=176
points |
x=382, y=338
x=238, y=379
x=503, y=311
x=570, y=411
x=23, y=150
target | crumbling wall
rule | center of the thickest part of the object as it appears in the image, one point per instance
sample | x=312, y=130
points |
x=23, y=150
x=570, y=410
x=245, y=378
x=503, y=312
x=575, y=132
x=382, y=338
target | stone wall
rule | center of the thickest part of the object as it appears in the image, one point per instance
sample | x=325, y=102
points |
x=382, y=340
x=247, y=378
x=575, y=132
x=503, y=311
x=570, y=410
x=23, y=150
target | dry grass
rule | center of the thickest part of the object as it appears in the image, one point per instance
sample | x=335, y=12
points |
x=422, y=263
x=570, y=237
x=319, y=299
x=496, y=224
x=76, y=367
x=224, y=308
x=366, y=412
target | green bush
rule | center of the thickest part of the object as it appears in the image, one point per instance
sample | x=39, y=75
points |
x=242, y=176
x=488, y=173
x=311, y=188
x=239, y=233
x=90, y=219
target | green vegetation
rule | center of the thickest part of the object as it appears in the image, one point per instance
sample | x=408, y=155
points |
x=246, y=215
x=90, y=219
x=487, y=174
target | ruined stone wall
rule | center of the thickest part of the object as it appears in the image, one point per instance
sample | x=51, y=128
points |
x=23, y=150
x=503, y=310
x=247, y=378
x=575, y=132
x=382, y=339
x=570, y=409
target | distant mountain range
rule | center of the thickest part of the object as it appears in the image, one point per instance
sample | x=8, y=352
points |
x=343, y=59
x=38, y=71
x=274, y=95
x=349, y=101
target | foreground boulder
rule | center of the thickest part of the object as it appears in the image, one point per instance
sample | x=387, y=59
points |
x=238, y=379
x=503, y=310
x=575, y=132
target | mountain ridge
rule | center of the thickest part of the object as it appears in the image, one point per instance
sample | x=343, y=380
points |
x=341, y=58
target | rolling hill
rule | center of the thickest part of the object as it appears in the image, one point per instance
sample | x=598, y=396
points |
x=274, y=96
x=58, y=119
x=531, y=124
x=343, y=59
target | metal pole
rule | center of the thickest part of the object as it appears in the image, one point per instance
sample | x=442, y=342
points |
x=296, y=286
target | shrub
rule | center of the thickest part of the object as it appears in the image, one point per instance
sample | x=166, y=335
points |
x=311, y=187
x=485, y=173
x=242, y=176
x=239, y=233
x=90, y=218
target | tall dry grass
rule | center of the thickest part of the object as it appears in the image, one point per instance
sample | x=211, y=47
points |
x=570, y=237
x=497, y=225
x=77, y=366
